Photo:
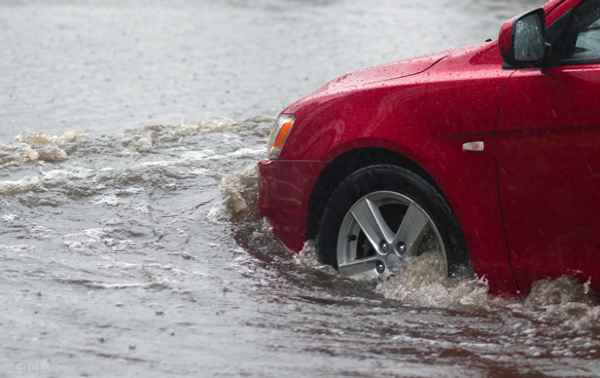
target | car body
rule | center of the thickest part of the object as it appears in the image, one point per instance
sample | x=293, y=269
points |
x=514, y=151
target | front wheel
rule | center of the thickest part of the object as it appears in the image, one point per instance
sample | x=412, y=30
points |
x=383, y=216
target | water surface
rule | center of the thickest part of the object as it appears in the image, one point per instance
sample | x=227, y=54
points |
x=129, y=238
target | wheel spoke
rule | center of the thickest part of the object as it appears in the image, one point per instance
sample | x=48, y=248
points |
x=371, y=222
x=359, y=266
x=411, y=229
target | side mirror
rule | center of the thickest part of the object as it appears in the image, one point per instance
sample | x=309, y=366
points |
x=523, y=41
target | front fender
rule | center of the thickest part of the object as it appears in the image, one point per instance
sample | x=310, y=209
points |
x=406, y=121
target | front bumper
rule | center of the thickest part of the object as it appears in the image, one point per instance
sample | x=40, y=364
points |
x=284, y=197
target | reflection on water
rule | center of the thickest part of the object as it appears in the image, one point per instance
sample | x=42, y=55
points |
x=140, y=250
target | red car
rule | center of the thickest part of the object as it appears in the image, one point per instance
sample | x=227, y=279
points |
x=488, y=155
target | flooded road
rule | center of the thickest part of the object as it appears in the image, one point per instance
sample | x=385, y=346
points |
x=130, y=244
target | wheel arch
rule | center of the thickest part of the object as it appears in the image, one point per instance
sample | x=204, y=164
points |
x=344, y=165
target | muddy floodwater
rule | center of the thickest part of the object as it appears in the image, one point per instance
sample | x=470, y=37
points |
x=129, y=239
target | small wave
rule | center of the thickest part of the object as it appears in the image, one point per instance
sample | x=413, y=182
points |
x=559, y=291
x=240, y=197
x=91, y=284
x=33, y=184
x=37, y=147
x=79, y=181
x=42, y=147
x=239, y=208
x=422, y=283
x=41, y=139
x=308, y=257
x=150, y=137
x=9, y=218
x=564, y=302
x=153, y=157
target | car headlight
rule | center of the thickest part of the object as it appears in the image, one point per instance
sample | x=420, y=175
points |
x=281, y=131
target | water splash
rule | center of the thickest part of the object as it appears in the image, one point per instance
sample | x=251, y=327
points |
x=240, y=194
x=37, y=147
x=41, y=147
x=421, y=282
x=308, y=258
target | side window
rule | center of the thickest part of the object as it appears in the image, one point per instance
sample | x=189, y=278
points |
x=588, y=43
x=576, y=37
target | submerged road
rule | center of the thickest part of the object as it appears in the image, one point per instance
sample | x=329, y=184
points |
x=129, y=241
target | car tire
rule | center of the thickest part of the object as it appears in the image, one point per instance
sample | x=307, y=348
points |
x=388, y=183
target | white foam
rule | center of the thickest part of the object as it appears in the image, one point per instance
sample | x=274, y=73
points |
x=9, y=218
x=423, y=282
x=240, y=192
x=40, y=138
x=107, y=199
x=37, y=147
x=31, y=184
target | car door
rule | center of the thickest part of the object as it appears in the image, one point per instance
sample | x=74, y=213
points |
x=548, y=151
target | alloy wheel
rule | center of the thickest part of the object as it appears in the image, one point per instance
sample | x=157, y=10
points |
x=382, y=231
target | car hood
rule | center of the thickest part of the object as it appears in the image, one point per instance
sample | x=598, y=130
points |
x=385, y=72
